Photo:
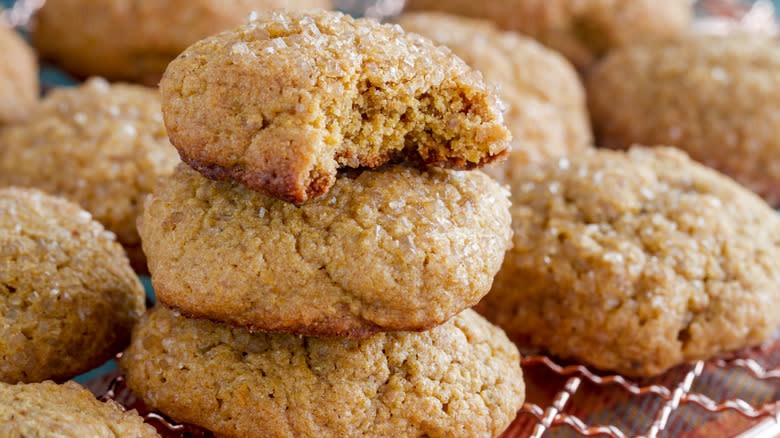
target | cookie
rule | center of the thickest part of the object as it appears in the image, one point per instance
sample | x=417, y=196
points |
x=68, y=297
x=102, y=146
x=461, y=379
x=134, y=40
x=18, y=77
x=542, y=91
x=280, y=103
x=718, y=98
x=394, y=248
x=636, y=262
x=68, y=411
x=582, y=30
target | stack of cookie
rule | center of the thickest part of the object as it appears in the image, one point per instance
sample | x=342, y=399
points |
x=305, y=301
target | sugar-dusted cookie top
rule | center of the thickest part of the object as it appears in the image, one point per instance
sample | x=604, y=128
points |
x=388, y=249
x=68, y=297
x=100, y=145
x=280, y=103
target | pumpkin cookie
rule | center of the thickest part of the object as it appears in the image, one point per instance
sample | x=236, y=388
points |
x=282, y=102
x=636, y=262
x=461, y=379
x=545, y=98
x=68, y=411
x=68, y=296
x=99, y=145
x=582, y=30
x=18, y=77
x=394, y=248
x=134, y=40
x=718, y=98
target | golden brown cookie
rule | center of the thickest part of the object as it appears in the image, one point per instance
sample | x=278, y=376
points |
x=102, y=146
x=68, y=297
x=388, y=249
x=18, y=77
x=637, y=262
x=718, y=98
x=461, y=379
x=544, y=96
x=134, y=40
x=583, y=30
x=38, y=410
x=282, y=102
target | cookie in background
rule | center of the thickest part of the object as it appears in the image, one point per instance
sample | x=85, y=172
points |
x=135, y=40
x=68, y=296
x=67, y=411
x=716, y=97
x=102, y=146
x=18, y=77
x=583, y=30
x=636, y=261
x=545, y=100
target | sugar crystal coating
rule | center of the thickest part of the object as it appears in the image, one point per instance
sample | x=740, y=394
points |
x=280, y=103
x=393, y=248
x=68, y=296
x=100, y=145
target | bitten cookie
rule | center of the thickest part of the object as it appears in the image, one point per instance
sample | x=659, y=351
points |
x=102, y=146
x=636, y=262
x=282, y=102
x=68, y=297
x=18, y=77
x=718, y=98
x=388, y=249
x=582, y=30
x=461, y=379
x=545, y=98
x=134, y=40
x=67, y=411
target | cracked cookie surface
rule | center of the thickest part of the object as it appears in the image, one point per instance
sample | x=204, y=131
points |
x=460, y=379
x=134, y=40
x=38, y=410
x=583, y=30
x=637, y=261
x=393, y=248
x=100, y=145
x=281, y=103
x=695, y=93
x=68, y=297
x=545, y=98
